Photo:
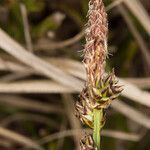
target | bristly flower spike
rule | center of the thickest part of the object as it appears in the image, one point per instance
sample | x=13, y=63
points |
x=100, y=88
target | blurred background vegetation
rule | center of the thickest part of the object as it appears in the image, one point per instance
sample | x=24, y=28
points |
x=36, y=104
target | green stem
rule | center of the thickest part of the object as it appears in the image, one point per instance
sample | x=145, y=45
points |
x=98, y=116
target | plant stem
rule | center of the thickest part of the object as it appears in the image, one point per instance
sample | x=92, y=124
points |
x=98, y=115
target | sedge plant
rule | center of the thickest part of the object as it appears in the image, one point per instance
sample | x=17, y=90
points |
x=100, y=88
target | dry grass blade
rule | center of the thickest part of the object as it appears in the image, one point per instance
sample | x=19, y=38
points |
x=133, y=93
x=28, y=117
x=6, y=65
x=114, y=4
x=108, y=133
x=19, y=138
x=29, y=104
x=137, y=36
x=140, y=13
x=13, y=48
x=45, y=86
x=15, y=76
x=34, y=86
x=139, y=82
x=72, y=67
x=74, y=122
x=27, y=86
x=121, y=135
x=44, y=44
x=60, y=142
x=131, y=113
x=26, y=26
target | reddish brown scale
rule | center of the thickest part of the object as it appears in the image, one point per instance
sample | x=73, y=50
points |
x=95, y=51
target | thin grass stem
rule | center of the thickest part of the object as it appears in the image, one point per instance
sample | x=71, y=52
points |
x=98, y=116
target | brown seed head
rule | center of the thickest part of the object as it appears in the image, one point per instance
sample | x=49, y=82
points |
x=95, y=51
